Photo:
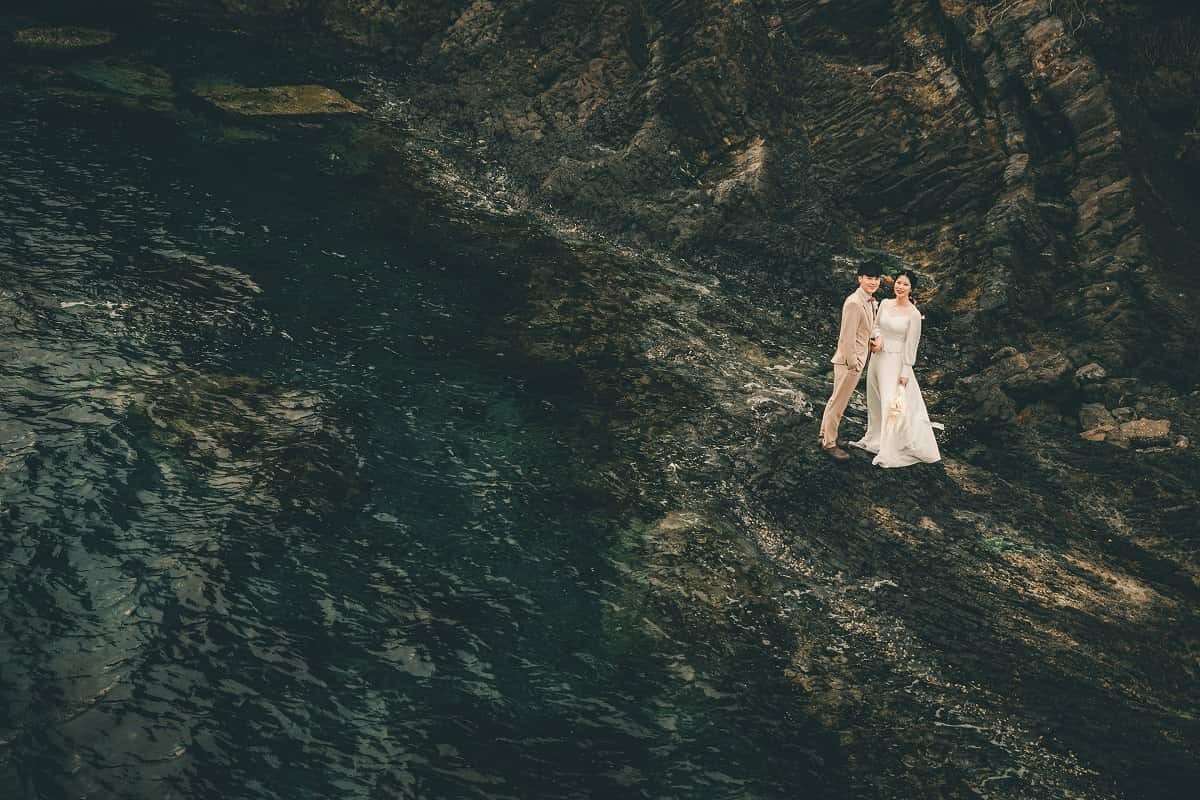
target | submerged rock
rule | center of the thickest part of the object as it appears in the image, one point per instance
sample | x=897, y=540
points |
x=695, y=562
x=132, y=83
x=64, y=38
x=126, y=76
x=297, y=101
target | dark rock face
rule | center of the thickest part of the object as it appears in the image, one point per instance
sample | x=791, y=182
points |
x=1030, y=156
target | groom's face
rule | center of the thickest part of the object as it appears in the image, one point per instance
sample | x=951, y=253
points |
x=869, y=283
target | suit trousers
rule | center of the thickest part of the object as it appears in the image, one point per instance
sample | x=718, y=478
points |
x=844, y=381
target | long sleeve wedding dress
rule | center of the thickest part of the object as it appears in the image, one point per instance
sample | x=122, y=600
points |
x=898, y=427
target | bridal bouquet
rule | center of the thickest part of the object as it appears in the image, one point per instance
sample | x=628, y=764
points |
x=895, y=409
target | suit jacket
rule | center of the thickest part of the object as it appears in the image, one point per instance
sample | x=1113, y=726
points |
x=858, y=328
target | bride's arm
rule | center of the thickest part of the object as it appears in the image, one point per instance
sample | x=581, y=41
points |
x=912, y=338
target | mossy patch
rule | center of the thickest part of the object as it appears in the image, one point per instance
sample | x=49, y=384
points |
x=999, y=544
x=235, y=135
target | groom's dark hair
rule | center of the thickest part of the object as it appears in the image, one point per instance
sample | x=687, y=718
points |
x=870, y=267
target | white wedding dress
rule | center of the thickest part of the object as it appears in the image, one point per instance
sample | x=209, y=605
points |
x=898, y=430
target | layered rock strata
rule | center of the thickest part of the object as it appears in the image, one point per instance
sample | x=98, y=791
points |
x=1001, y=148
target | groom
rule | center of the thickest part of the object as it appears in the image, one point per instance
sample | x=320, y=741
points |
x=858, y=337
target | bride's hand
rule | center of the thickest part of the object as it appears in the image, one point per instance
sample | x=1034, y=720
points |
x=903, y=381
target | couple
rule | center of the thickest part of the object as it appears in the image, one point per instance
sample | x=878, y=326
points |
x=898, y=429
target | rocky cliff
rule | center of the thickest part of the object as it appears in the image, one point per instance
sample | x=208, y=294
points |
x=1033, y=158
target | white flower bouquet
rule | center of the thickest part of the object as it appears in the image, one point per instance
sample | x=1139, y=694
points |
x=895, y=409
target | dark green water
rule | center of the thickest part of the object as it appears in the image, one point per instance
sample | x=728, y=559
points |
x=286, y=513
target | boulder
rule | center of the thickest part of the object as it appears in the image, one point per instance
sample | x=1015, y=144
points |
x=1090, y=373
x=1018, y=377
x=1004, y=353
x=1094, y=415
x=1036, y=370
x=1146, y=432
x=1098, y=434
x=1099, y=295
x=1139, y=432
x=1124, y=414
x=1112, y=392
x=993, y=404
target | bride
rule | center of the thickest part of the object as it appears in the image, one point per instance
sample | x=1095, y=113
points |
x=898, y=428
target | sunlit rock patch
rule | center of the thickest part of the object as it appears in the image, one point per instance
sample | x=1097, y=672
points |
x=969, y=479
x=1069, y=580
x=1097, y=584
x=279, y=101
x=887, y=523
x=1143, y=432
x=65, y=38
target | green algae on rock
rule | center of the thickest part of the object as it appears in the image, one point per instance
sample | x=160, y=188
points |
x=138, y=84
x=231, y=134
x=126, y=77
x=279, y=101
x=64, y=38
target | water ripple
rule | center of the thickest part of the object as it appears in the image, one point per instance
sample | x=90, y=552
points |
x=281, y=519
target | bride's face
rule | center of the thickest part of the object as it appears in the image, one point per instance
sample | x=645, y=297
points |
x=902, y=287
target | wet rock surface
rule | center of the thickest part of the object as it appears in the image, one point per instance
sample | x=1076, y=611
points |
x=1014, y=151
x=1010, y=603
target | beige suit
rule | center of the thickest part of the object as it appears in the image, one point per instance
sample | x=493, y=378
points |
x=849, y=360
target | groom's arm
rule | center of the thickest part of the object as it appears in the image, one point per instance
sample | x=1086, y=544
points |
x=876, y=343
x=853, y=315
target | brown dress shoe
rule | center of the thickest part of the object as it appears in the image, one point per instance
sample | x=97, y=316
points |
x=836, y=453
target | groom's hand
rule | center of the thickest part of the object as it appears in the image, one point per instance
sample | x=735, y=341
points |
x=876, y=346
